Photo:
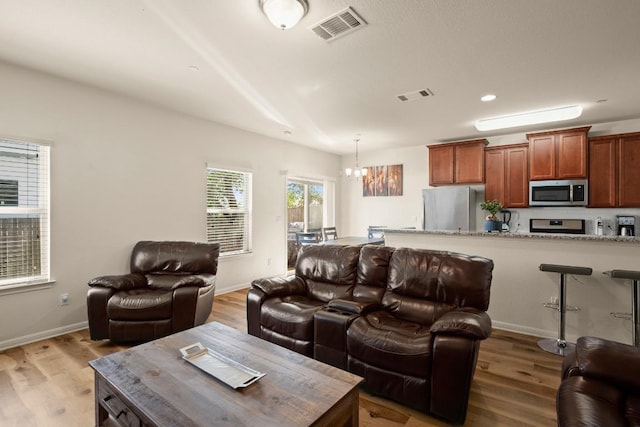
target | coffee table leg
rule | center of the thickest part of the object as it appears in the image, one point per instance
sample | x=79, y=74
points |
x=101, y=413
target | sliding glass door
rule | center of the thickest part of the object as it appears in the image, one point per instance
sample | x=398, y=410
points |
x=306, y=211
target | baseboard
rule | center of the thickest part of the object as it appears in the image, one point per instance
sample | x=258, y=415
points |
x=27, y=339
x=51, y=333
x=232, y=288
x=43, y=335
x=535, y=332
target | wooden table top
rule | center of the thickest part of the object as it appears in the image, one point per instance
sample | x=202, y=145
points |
x=355, y=241
x=296, y=390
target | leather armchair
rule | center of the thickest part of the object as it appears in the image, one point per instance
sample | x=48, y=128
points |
x=600, y=385
x=170, y=288
x=421, y=346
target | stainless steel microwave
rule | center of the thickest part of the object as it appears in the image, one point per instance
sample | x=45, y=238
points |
x=559, y=193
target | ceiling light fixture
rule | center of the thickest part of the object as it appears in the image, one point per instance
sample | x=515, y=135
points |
x=530, y=118
x=284, y=14
x=355, y=172
x=488, y=97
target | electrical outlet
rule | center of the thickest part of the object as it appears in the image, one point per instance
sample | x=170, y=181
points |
x=64, y=299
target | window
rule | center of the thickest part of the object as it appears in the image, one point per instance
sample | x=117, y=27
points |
x=24, y=213
x=229, y=210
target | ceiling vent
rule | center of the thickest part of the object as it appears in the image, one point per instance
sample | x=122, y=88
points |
x=418, y=94
x=338, y=25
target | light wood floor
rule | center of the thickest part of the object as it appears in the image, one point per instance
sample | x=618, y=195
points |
x=48, y=383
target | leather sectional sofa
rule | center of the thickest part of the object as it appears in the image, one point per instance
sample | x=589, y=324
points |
x=408, y=321
x=600, y=385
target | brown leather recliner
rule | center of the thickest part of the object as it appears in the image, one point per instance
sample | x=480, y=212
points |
x=281, y=310
x=421, y=347
x=600, y=385
x=170, y=288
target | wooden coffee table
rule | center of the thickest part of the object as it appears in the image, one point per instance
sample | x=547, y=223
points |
x=152, y=385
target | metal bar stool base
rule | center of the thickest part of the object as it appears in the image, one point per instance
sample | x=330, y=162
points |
x=560, y=346
x=556, y=346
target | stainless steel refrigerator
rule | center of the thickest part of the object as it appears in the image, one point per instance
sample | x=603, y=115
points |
x=449, y=208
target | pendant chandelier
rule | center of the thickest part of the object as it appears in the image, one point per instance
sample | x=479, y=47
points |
x=356, y=171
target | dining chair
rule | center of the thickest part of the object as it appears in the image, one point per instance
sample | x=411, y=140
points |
x=376, y=231
x=306, y=238
x=329, y=233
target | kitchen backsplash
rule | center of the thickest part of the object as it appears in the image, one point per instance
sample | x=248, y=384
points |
x=520, y=217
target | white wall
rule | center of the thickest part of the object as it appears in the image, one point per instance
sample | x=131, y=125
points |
x=123, y=171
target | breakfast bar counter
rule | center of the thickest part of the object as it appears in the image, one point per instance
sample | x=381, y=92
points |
x=519, y=235
x=519, y=288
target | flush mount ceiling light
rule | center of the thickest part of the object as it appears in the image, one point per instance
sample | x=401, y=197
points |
x=488, y=97
x=284, y=14
x=530, y=118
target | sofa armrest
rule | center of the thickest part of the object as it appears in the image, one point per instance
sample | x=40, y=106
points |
x=608, y=361
x=121, y=282
x=355, y=306
x=466, y=322
x=278, y=286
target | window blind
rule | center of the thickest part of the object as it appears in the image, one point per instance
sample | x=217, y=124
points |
x=229, y=210
x=24, y=212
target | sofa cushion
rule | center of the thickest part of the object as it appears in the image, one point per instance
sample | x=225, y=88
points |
x=140, y=304
x=175, y=257
x=373, y=272
x=382, y=340
x=291, y=316
x=453, y=279
x=329, y=271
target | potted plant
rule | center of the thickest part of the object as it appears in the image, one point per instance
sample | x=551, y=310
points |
x=492, y=223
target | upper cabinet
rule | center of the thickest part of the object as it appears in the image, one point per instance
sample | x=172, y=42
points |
x=614, y=175
x=457, y=163
x=506, y=175
x=558, y=154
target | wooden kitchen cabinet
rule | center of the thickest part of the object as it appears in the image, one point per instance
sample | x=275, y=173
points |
x=441, y=164
x=560, y=154
x=457, y=163
x=614, y=175
x=603, y=166
x=506, y=175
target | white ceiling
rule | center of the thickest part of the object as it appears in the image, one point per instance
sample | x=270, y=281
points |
x=223, y=61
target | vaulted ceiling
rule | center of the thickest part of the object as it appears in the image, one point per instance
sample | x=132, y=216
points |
x=222, y=60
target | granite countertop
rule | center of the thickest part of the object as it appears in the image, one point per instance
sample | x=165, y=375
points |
x=519, y=235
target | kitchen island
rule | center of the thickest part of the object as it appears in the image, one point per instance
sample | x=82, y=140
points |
x=519, y=288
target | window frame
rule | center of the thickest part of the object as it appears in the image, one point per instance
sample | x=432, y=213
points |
x=42, y=211
x=245, y=210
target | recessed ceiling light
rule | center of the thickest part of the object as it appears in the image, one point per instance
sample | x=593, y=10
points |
x=488, y=97
x=530, y=118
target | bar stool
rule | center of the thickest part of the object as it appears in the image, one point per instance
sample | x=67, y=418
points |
x=560, y=346
x=634, y=316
